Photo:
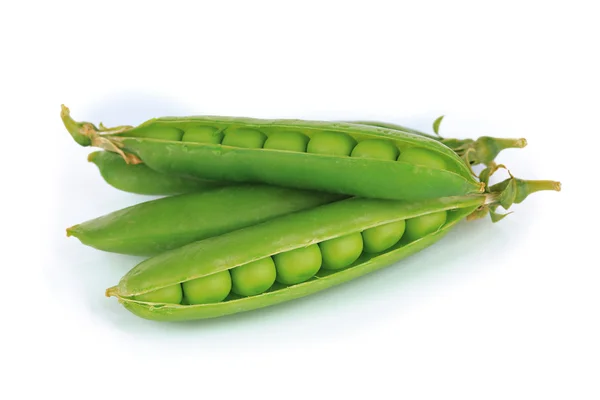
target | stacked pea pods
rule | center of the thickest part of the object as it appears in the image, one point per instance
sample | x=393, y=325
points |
x=258, y=212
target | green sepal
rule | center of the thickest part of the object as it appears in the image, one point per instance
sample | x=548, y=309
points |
x=496, y=216
x=436, y=125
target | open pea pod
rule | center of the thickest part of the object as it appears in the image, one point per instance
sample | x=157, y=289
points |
x=297, y=254
x=335, y=157
x=140, y=179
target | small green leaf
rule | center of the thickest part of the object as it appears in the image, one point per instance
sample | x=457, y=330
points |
x=436, y=125
x=484, y=176
x=508, y=195
x=498, y=216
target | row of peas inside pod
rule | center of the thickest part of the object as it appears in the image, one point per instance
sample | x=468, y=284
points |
x=298, y=265
x=343, y=158
x=329, y=143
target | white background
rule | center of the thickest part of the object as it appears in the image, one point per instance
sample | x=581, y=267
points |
x=494, y=311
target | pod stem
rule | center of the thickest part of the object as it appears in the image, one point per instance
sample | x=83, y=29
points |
x=487, y=148
x=112, y=292
x=515, y=190
x=70, y=230
x=87, y=134
x=80, y=131
x=503, y=143
x=508, y=192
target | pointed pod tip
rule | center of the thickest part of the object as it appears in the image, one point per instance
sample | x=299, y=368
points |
x=112, y=291
x=73, y=231
x=92, y=156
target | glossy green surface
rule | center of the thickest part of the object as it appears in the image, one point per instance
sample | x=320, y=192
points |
x=376, y=148
x=424, y=225
x=290, y=141
x=141, y=179
x=422, y=157
x=286, y=233
x=253, y=278
x=344, y=175
x=203, y=134
x=244, y=138
x=383, y=237
x=208, y=289
x=353, y=176
x=154, y=226
x=157, y=132
x=298, y=265
x=341, y=251
x=331, y=143
x=169, y=294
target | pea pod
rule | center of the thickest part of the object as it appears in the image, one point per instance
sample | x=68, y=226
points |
x=298, y=254
x=154, y=226
x=139, y=178
x=231, y=149
x=216, y=256
x=142, y=180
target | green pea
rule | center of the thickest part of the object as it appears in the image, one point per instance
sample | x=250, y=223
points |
x=253, y=278
x=170, y=294
x=383, y=237
x=157, y=132
x=296, y=266
x=208, y=289
x=203, y=134
x=342, y=251
x=331, y=143
x=376, y=148
x=419, y=227
x=422, y=157
x=244, y=137
x=291, y=141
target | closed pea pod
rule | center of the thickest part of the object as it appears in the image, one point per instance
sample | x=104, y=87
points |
x=142, y=180
x=326, y=165
x=154, y=226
